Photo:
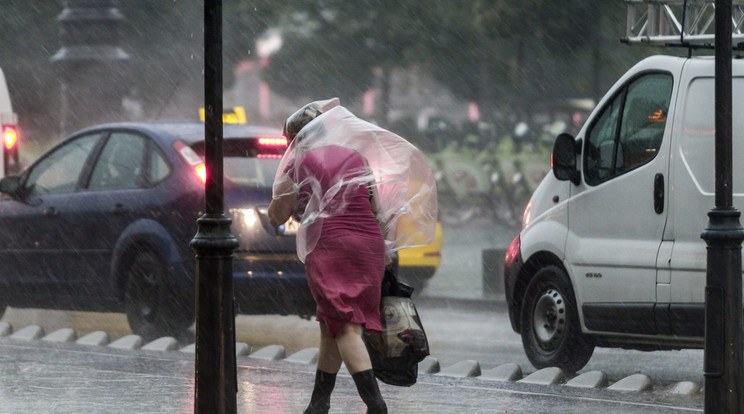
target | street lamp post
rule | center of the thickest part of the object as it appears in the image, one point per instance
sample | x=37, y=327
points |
x=723, y=236
x=90, y=63
x=216, y=372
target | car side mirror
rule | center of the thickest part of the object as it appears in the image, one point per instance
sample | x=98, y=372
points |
x=10, y=186
x=563, y=158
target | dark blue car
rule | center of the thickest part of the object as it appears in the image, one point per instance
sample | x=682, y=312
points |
x=103, y=222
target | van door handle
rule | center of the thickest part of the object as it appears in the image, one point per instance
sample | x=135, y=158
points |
x=659, y=193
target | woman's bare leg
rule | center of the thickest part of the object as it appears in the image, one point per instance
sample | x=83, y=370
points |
x=355, y=356
x=329, y=358
x=352, y=349
x=329, y=362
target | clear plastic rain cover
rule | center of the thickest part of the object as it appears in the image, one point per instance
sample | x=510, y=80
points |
x=398, y=172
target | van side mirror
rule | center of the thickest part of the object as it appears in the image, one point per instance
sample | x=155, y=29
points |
x=10, y=186
x=563, y=158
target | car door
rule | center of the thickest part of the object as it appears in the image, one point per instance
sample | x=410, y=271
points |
x=112, y=199
x=617, y=213
x=36, y=235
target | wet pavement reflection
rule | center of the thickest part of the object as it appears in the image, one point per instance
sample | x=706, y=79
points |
x=43, y=377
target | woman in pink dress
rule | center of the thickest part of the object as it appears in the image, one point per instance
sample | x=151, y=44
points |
x=341, y=243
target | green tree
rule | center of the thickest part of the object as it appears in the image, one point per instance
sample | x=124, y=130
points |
x=342, y=48
x=513, y=55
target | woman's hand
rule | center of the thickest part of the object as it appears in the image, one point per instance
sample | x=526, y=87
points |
x=282, y=201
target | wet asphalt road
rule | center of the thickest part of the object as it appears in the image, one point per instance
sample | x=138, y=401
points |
x=61, y=378
x=462, y=324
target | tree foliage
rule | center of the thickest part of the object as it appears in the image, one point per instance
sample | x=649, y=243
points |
x=335, y=47
x=499, y=54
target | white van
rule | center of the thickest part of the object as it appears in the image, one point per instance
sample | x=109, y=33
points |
x=8, y=124
x=610, y=252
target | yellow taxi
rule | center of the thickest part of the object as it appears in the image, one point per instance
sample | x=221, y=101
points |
x=417, y=265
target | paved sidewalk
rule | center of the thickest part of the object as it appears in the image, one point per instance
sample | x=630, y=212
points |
x=39, y=376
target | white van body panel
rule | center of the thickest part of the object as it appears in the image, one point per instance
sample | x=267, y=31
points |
x=552, y=224
x=615, y=234
x=693, y=174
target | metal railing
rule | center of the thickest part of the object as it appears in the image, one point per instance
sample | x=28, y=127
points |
x=682, y=23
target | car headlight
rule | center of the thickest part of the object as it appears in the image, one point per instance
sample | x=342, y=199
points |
x=247, y=217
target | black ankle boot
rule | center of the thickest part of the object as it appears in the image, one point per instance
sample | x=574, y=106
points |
x=366, y=384
x=320, y=402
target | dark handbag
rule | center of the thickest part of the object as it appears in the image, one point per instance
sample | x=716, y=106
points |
x=396, y=352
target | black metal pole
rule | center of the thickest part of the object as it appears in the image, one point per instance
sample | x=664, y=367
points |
x=723, y=236
x=216, y=381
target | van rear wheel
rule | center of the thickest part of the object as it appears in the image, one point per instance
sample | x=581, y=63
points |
x=551, y=333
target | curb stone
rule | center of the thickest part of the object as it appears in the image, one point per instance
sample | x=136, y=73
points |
x=127, y=342
x=462, y=369
x=509, y=372
x=429, y=365
x=97, y=338
x=163, y=344
x=545, y=376
x=5, y=329
x=684, y=388
x=505, y=373
x=304, y=356
x=61, y=335
x=635, y=382
x=241, y=349
x=591, y=379
x=30, y=333
x=271, y=352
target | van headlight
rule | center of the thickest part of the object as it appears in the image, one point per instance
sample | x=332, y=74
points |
x=527, y=215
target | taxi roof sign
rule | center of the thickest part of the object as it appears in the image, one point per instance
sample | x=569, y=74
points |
x=237, y=116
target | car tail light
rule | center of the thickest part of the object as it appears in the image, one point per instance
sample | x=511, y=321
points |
x=193, y=159
x=201, y=172
x=10, y=136
x=271, y=147
x=273, y=142
x=269, y=156
x=11, y=162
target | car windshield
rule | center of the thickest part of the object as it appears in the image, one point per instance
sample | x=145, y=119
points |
x=247, y=171
x=247, y=162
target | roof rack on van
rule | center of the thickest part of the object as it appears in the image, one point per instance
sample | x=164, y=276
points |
x=680, y=23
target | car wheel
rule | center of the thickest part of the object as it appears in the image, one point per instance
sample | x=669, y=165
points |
x=152, y=309
x=551, y=333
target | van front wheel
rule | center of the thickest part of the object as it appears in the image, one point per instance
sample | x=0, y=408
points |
x=551, y=333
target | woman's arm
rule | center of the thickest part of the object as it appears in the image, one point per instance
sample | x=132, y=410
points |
x=374, y=205
x=280, y=208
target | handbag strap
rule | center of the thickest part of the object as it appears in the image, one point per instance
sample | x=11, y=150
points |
x=391, y=286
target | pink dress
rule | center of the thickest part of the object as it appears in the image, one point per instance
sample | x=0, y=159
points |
x=345, y=269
